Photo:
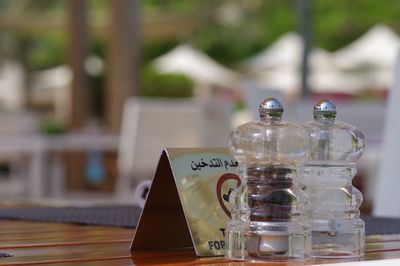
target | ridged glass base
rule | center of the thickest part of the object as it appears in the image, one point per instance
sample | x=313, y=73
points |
x=272, y=241
x=347, y=241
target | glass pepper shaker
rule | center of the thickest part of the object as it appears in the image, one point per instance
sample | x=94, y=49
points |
x=267, y=220
x=333, y=209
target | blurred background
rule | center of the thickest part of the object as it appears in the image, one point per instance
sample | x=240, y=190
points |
x=91, y=90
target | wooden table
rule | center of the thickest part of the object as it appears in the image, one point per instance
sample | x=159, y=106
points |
x=68, y=244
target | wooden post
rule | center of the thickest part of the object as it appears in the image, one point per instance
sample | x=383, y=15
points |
x=79, y=100
x=306, y=33
x=123, y=52
x=77, y=52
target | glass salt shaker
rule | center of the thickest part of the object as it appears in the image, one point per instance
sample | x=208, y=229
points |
x=267, y=220
x=333, y=203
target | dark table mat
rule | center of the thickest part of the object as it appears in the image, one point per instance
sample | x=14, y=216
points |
x=121, y=216
x=128, y=216
x=381, y=226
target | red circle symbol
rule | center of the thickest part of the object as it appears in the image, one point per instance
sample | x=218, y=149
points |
x=221, y=181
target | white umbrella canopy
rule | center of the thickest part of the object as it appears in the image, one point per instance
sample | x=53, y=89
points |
x=344, y=72
x=286, y=52
x=326, y=79
x=196, y=65
x=284, y=78
x=279, y=66
x=378, y=79
x=377, y=48
x=335, y=81
x=288, y=80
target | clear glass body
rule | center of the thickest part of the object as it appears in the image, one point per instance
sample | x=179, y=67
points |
x=267, y=208
x=333, y=203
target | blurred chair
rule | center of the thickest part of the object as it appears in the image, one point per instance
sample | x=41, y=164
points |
x=149, y=125
x=17, y=132
x=387, y=196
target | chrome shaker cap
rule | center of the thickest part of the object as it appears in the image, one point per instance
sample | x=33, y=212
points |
x=325, y=109
x=270, y=108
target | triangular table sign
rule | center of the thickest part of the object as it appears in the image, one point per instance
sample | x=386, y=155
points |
x=187, y=205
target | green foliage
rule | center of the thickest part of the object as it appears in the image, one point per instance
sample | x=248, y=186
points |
x=260, y=25
x=158, y=6
x=45, y=52
x=39, y=5
x=50, y=126
x=154, y=84
x=337, y=23
x=152, y=50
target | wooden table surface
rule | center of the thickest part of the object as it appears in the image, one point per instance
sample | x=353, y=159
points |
x=67, y=244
